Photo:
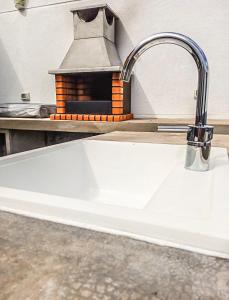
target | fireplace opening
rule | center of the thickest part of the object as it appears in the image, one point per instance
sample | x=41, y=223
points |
x=94, y=94
x=98, y=93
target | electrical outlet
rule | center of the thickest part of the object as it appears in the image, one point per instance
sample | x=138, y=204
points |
x=25, y=97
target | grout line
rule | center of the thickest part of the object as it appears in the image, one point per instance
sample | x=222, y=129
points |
x=38, y=6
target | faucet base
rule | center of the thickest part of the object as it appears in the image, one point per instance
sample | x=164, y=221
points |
x=197, y=157
x=198, y=147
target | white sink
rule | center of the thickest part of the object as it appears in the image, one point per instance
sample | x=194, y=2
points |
x=134, y=189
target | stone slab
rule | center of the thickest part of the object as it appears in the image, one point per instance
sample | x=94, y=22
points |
x=44, y=260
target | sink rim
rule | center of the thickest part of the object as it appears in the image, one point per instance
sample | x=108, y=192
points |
x=45, y=207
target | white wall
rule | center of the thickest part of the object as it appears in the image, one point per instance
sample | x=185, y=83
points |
x=165, y=77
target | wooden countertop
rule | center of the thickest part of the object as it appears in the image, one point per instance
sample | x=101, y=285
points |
x=141, y=125
x=219, y=140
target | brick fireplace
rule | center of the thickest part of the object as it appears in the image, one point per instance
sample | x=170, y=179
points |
x=88, y=87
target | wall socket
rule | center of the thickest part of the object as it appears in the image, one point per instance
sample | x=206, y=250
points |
x=25, y=97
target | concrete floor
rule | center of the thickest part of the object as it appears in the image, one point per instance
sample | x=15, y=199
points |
x=48, y=261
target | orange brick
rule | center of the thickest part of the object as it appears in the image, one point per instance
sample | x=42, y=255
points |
x=80, y=92
x=70, y=85
x=68, y=117
x=86, y=117
x=60, y=103
x=116, y=97
x=129, y=116
x=116, y=75
x=84, y=98
x=84, y=80
x=65, y=91
x=82, y=86
x=104, y=118
x=52, y=117
x=75, y=117
x=60, y=110
x=117, y=111
x=61, y=97
x=117, y=104
x=97, y=118
x=64, y=78
x=60, y=84
x=117, y=90
x=80, y=117
x=70, y=97
x=91, y=118
x=110, y=118
x=63, y=117
x=117, y=83
x=69, y=78
x=61, y=91
x=57, y=117
x=80, y=80
x=117, y=118
x=72, y=91
x=59, y=77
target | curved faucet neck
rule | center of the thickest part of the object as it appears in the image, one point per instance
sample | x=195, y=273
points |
x=196, y=52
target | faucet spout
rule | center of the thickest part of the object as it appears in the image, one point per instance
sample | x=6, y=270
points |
x=199, y=135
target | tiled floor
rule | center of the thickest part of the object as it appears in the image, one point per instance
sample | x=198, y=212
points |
x=48, y=261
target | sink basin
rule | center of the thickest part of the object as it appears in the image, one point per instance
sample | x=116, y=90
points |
x=135, y=189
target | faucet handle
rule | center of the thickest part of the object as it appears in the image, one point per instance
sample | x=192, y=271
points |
x=172, y=128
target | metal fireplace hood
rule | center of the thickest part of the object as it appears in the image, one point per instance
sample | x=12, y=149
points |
x=93, y=48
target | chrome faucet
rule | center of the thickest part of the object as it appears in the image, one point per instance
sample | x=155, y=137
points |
x=199, y=136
